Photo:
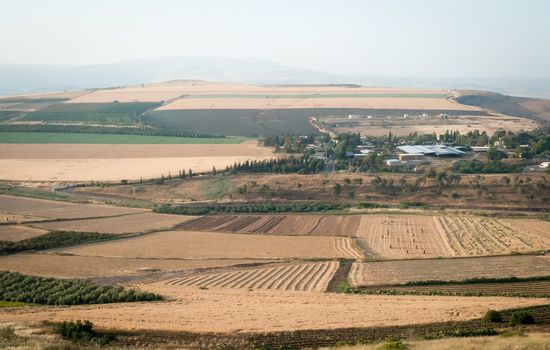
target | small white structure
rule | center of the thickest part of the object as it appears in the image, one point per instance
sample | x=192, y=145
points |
x=411, y=156
x=354, y=116
x=544, y=165
x=480, y=148
x=393, y=162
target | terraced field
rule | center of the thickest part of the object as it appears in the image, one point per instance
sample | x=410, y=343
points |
x=296, y=277
x=385, y=273
x=489, y=236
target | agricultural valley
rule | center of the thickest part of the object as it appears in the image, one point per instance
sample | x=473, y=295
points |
x=195, y=214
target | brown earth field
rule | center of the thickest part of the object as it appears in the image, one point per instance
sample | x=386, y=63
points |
x=58, y=210
x=198, y=310
x=108, y=162
x=206, y=245
x=397, y=236
x=429, y=125
x=493, y=192
x=132, y=223
x=15, y=233
x=382, y=273
x=49, y=264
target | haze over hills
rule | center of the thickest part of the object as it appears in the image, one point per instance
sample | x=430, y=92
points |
x=15, y=78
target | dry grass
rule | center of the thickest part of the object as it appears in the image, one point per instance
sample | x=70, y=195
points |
x=297, y=277
x=55, y=209
x=133, y=223
x=528, y=341
x=401, y=272
x=102, y=162
x=67, y=266
x=15, y=233
x=206, y=245
x=236, y=310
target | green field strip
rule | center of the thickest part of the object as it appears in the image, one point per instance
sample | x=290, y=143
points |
x=53, y=137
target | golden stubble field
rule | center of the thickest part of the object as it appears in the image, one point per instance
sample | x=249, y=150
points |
x=207, y=245
x=114, y=162
x=235, y=310
x=180, y=95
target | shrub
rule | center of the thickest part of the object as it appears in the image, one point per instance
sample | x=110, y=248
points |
x=492, y=316
x=521, y=317
x=76, y=331
x=393, y=344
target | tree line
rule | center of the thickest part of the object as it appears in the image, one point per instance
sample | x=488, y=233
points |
x=16, y=287
x=89, y=129
x=248, y=208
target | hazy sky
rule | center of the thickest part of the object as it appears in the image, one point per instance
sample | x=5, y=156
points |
x=445, y=38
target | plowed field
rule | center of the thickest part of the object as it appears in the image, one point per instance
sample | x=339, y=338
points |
x=322, y=225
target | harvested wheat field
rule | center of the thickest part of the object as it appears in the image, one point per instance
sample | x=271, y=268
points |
x=16, y=233
x=327, y=225
x=132, y=223
x=402, y=236
x=472, y=235
x=401, y=272
x=69, y=266
x=199, y=310
x=309, y=277
x=113, y=162
x=17, y=218
x=207, y=245
x=59, y=210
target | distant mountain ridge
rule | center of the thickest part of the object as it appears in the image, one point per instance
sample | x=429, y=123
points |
x=16, y=78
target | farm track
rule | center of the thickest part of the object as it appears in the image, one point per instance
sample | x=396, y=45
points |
x=295, y=277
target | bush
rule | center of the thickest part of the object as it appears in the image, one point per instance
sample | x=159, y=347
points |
x=492, y=316
x=521, y=317
x=393, y=344
x=76, y=331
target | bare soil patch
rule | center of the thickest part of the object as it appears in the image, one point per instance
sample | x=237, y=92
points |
x=55, y=209
x=206, y=245
x=16, y=233
x=70, y=266
x=401, y=272
x=134, y=223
